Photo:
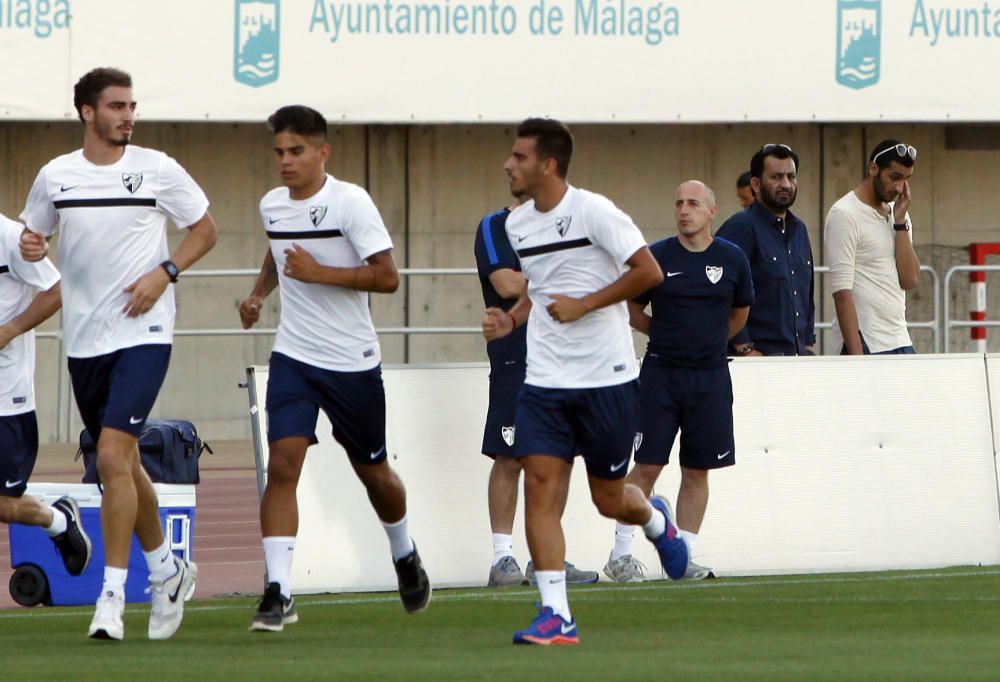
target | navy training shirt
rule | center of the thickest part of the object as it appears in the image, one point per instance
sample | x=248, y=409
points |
x=494, y=252
x=691, y=306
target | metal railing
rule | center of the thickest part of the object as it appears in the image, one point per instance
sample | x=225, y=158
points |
x=63, y=397
x=403, y=272
x=949, y=323
x=933, y=324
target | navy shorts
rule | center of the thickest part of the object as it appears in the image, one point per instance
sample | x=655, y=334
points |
x=354, y=402
x=599, y=424
x=18, y=451
x=498, y=436
x=699, y=402
x=118, y=390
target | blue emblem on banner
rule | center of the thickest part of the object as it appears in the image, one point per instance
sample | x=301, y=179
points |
x=256, y=45
x=859, y=38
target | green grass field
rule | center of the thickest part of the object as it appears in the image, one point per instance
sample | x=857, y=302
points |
x=921, y=625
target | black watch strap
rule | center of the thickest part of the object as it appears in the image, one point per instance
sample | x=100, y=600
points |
x=901, y=227
x=171, y=270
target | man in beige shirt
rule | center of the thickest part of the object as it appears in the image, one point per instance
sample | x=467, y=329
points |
x=869, y=248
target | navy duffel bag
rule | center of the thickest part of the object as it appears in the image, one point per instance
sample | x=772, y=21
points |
x=169, y=450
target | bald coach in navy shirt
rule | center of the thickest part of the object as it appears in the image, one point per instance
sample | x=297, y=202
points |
x=702, y=302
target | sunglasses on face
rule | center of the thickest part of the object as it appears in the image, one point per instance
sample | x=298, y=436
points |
x=902, y=150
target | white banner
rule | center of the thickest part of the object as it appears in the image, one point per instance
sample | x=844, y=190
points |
x=432, y=61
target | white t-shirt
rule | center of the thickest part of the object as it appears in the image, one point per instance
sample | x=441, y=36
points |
x=575, y=249
x=18, y=281
x=322, y=325
x=861, y=252
x=112, y=223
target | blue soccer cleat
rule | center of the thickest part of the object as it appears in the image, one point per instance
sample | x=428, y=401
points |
x=671, y=547
x=548, y=628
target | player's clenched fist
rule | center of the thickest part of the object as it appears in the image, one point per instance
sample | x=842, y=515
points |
x=496, y=324
x=33, y=246
x=250, y=311
x=565, y=309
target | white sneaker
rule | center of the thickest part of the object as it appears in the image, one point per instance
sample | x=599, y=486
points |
x=696, y=572
x=107, y=622
x=625, y=569
x=168, y=599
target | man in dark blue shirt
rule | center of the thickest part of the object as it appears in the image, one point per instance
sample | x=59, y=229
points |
x=776, y=242
x=702, y=302
x=502, y=283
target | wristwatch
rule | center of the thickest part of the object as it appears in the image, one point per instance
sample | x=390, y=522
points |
x=901, y=227
x=745, y=349
x=171, y=269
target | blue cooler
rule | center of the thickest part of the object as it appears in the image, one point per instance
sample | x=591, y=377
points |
x=39, y=575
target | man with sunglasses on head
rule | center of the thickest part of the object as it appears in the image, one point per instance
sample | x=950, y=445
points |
x=869, y=247
x=777, y=245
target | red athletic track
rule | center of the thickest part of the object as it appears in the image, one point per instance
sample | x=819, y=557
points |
x=227, y=545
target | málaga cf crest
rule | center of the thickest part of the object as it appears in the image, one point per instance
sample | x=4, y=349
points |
x=714, y=273
x=316, y=214
x=508, y=435
x=132, y=181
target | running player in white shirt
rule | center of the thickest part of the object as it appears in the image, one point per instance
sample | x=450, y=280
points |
x=580, y=390
x=329, y=248
x=110, y=203
x=20, y=313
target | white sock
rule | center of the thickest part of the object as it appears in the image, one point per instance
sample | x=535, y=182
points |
x=114, y=580
x=160, y=563
x=552, y=585
x=278, y=551
x=690, y=538
x=623, y=541
x=657, y=524
x=58, y=524
x=400, y=543
x=503, y=546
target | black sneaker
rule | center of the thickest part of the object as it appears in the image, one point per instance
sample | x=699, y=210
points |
x=274, y=611
x=73, y=543
x=414, y=586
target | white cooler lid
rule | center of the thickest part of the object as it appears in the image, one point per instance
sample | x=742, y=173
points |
x=89, y=495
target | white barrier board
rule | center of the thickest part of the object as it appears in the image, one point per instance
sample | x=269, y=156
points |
x=843, y=464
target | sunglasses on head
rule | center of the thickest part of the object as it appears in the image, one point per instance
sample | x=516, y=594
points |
x=901, y=150
x=771, y=146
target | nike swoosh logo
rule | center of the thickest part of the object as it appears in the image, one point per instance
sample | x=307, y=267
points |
x=13, y=484
x=272, y=221
x=64, y=188
x=177, y=591
x=618, y=466
x=134, y=420
x=674, y=274
x=724, y=454
x=378, y=452
x=521, y=239
x=566, y=628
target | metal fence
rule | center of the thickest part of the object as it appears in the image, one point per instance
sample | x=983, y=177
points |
x=934, y=325
x=949, y=323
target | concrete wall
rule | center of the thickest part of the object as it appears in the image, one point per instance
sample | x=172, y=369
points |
x=433, y=183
